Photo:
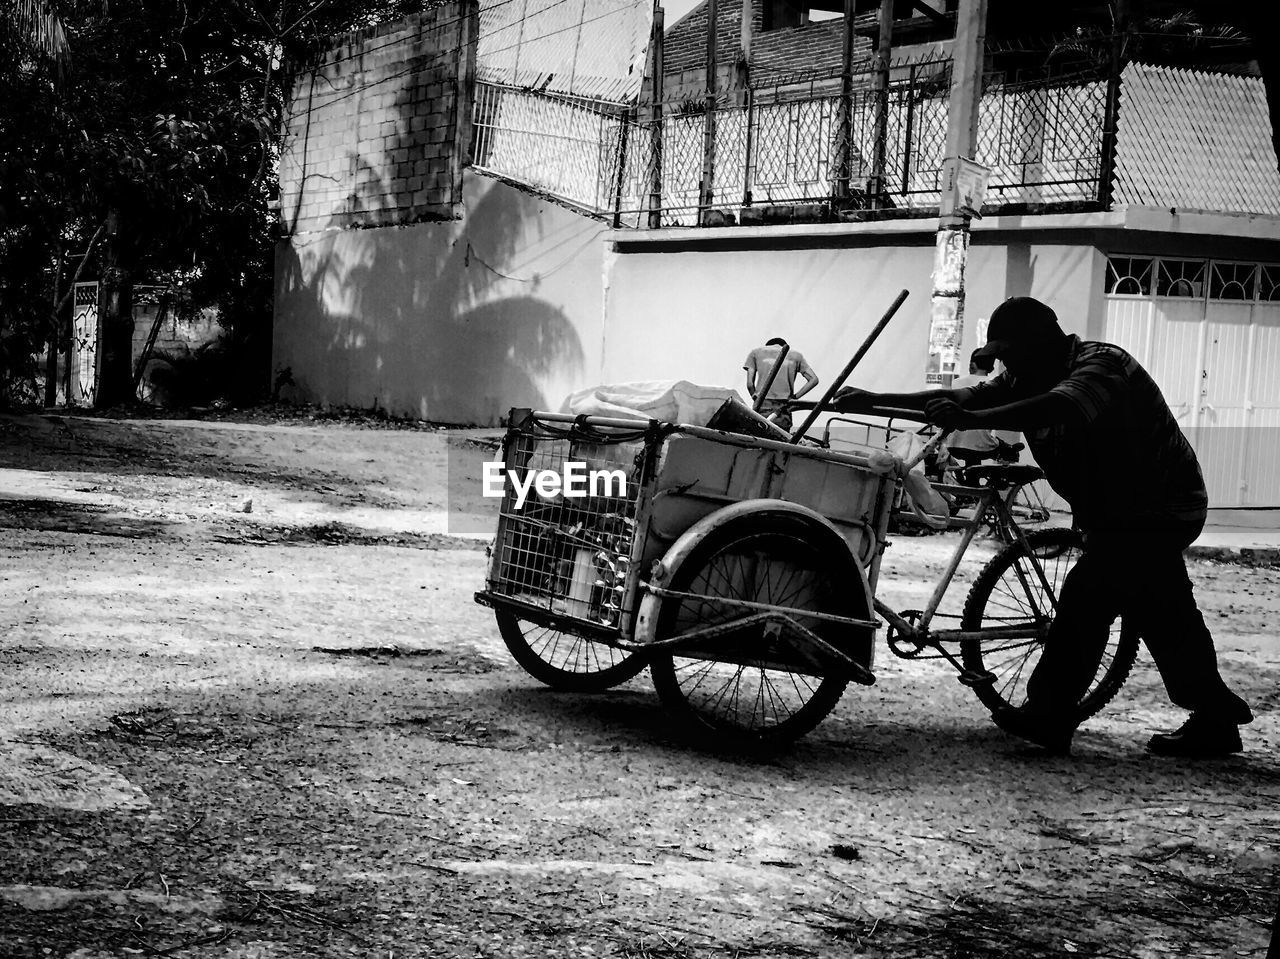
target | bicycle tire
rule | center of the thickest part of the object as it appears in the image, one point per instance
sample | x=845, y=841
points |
x=565, y=661
x=1027, y=506
x=780, y=704
x=1061, y=547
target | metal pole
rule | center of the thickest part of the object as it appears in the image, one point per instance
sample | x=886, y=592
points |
x=624, y=141
x=748, y=167
x=573, y=70
x=946, y=311
x=706, y=195
x=844, y=156
x=884, y=52
x=838, y=382
x=908, y=130
x=656, y=41
x=1111, y=117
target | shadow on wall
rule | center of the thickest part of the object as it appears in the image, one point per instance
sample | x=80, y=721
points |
x=407, y=317
x=413, y=321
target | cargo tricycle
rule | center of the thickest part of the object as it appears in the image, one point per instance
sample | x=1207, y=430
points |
x=742, y=573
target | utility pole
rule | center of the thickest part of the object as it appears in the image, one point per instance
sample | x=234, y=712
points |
x=946, y=313
x=706, y=195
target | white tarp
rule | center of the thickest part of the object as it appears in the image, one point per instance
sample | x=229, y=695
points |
x=670, y=401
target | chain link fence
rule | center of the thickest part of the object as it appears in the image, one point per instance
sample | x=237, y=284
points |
x=796, y=152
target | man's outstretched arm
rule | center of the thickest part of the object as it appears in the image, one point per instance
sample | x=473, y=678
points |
x=1037, y=412
x=853, y=400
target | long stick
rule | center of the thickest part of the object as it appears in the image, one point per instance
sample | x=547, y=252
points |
x=838, y=382
x=763, y=393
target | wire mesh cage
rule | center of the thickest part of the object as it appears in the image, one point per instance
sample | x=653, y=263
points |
x=567, y=546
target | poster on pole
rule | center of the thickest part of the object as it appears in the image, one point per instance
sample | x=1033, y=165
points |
x=946, y=312
x=964, y=187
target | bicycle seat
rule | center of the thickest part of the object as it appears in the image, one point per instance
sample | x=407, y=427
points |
x=1000, y=474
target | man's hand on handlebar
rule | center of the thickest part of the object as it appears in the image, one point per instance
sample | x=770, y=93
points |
x=850, y=399
x=949, y=414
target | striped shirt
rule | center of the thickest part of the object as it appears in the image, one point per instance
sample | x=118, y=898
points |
x=1123, y=462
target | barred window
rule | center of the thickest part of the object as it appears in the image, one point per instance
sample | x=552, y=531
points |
x=1129, y=275
x=1233, y=281
x=1193, y=279
x=1181, y=278
x=1269, y=283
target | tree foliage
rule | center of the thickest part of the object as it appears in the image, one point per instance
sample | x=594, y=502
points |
x=162, y=117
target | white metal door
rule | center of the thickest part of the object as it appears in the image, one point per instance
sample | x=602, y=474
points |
x=1220, y=435
x=1262, y=443
x=1209, y=334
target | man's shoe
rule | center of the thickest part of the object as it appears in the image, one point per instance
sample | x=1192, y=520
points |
x=1050, y=733
x=1200, y=737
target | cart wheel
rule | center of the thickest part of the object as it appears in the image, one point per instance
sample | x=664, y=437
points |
x=1004, y=594
x=746, y=688
x=565, y=661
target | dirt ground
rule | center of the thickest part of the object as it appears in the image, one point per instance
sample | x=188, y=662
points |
x=249, y=709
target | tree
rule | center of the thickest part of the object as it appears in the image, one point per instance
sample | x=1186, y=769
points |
x=38, y=28
x=163, y=132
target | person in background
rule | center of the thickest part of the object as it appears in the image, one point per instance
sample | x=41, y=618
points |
x=971, y=446
x=783, y=390
x=1107, y=442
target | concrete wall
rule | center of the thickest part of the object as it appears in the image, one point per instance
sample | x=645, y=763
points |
x=694, y=314
x=523, y=302
x=451, y=321
x=370, y=133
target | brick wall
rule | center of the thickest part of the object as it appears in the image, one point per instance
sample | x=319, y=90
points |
x=178, y=334
x=373, y=131
x=776, y=55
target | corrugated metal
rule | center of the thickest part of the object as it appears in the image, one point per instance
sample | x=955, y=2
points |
x=593, y=49
x=1195, y=140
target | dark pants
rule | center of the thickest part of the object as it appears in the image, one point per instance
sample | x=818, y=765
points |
x=783, y=418
x=1140, y=574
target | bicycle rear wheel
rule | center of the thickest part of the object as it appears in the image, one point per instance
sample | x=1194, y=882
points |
x=1009, y=592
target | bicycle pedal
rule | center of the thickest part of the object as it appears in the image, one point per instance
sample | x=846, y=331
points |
x=973, y=678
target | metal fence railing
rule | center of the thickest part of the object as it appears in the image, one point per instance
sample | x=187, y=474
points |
x=800, y=151
x=568, y=148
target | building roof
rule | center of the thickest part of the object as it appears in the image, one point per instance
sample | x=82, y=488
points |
x=1195, y=140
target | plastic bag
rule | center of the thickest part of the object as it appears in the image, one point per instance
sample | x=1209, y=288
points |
x=907, y=446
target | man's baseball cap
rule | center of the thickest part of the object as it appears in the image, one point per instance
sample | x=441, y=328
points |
x=1018, y=320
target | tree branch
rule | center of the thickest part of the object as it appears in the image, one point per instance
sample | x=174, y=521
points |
x=71, y=287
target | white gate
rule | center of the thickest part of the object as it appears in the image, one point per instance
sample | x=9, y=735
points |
x=1208, y=331
x=84, y=345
